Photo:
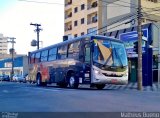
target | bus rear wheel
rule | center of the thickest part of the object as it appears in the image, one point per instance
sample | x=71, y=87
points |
x=73, y=82
x=100, y=86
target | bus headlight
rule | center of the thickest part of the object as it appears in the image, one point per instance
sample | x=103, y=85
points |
x=96, y=71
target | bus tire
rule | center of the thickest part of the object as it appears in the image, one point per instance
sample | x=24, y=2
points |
x=73, y=83
x=100, y=86
x=38, y=80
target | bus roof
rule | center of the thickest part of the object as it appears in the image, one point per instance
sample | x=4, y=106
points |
x=77, y=39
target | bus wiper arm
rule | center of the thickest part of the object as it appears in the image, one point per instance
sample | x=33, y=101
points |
x=118, y=57
x=107, y=60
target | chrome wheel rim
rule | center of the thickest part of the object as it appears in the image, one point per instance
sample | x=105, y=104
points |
x=72, y=81
x=38, y=81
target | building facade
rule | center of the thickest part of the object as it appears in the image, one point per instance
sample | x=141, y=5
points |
x=20, y=66
x=101, y=16
x=3, y=44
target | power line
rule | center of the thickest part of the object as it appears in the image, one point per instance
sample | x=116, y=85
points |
x=113, y=27
x=116, y=4
x=41, y=2
x=119, y=5
x=117, y=21
x=137, y=5
x=128, y=3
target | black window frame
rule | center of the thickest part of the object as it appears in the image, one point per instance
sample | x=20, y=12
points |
x=75, y=23
x=82, y=6
x=82, y=20
x=82, y=33
x=75, y=9
x=76, y=35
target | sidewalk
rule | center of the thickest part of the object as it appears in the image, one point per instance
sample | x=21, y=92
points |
x=132, y=86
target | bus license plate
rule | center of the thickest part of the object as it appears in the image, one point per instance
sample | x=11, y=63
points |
x=114, y=81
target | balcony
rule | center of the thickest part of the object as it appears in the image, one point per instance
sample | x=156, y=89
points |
x=68, y=15
x=92, y=19
x=68, y=3
x=68, y=28
x=92, y=5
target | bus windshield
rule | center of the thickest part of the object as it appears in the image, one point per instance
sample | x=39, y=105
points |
x=109, y=53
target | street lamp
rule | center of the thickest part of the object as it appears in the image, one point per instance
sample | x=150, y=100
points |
x=12, y=52
x=38, y=29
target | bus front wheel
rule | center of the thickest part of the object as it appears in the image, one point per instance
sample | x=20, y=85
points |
x=73, y=82
x=100, y=86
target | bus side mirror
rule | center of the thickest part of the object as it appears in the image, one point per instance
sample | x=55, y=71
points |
x=92, y=46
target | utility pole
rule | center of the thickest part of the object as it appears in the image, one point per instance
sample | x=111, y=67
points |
x=139, y=47
x=12, y=41
x=37, y=30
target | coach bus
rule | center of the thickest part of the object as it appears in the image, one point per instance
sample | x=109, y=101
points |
x=94, y=60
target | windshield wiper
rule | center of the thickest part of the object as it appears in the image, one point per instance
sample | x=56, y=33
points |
x=107, y=60
x=118, y=57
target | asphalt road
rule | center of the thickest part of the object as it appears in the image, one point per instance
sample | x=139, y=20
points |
x=23, y=97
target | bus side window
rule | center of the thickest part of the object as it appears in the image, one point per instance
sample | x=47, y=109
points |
x=52, y=54
x=73, y=50
x=87, y=53
x=32, y=58
x=62, y=52
x=44, y=55
x=37, y=57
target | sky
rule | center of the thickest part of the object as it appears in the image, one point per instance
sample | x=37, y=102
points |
x=16, y=16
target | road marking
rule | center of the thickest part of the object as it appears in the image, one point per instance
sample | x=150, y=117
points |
x=5, y=91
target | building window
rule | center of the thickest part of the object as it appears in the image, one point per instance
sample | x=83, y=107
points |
x=75, y=9
x=75, y=35
x=94, y=4
x=82, y=21
x=92, y=31
x=75, y=23
x=94, y=18
x=82, y=33
x=82, y=7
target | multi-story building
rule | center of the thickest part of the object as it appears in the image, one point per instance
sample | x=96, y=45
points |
x=101, y=16
x=150, y=10
x=3, y=44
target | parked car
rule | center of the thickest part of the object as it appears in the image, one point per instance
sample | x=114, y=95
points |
x=21, y=79
x=18, y=78
x=1, y=77
x=6, y=78
x=26, y=77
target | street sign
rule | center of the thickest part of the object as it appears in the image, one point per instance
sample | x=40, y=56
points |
x=130, y=38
